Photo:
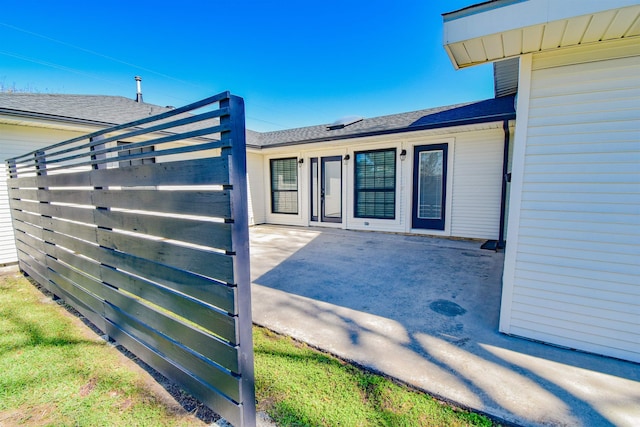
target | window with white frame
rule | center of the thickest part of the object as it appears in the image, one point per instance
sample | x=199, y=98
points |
x=284, y=186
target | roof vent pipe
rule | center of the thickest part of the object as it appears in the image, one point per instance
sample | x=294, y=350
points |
x=138, y=89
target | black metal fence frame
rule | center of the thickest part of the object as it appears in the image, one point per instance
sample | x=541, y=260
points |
x=150, y=242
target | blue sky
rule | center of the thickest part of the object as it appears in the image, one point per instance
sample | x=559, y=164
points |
x=296, y=63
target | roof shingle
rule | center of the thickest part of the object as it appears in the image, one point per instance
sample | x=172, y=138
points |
x=111, y=110
x=93, y=108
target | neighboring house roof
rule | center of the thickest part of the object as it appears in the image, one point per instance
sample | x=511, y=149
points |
x=91, y=109
x=110, y=110
x=101, y=110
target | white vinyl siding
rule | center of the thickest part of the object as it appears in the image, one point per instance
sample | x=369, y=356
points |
x=14, y=141
x=255, y=188
x=474, y=181
x=576, y=275
x=477, y=184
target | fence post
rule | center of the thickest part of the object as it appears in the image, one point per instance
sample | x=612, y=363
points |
x=41, y=171
x=240, y=242
x=94, y=147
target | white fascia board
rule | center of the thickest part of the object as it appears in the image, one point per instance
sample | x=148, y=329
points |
x=513, y=16
x=49, y=124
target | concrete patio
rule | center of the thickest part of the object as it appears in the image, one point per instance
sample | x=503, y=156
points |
x=425, y=310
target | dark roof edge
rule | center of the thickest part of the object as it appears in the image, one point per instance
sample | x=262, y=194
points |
x=53, y=117
x=478, y=8
x=476, y=120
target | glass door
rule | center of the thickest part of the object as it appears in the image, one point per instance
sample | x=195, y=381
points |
x=429, y=186
x=331, y=189
x=326, y=189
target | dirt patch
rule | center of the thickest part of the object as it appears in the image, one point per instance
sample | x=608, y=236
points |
x=40, y=415
x=86, y=389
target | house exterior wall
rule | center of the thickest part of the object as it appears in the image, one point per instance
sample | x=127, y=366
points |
x=14, y=141
x=474, y=180
x=255, y=188
x=573, y=259
x=477, y=185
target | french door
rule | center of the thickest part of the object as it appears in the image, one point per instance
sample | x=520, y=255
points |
x=326, y=189
x=429, y=186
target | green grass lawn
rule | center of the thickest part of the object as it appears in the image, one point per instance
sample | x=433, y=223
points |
x=54, y=371
x=299, y=386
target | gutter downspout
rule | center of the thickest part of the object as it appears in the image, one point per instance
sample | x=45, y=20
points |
x=506, y=177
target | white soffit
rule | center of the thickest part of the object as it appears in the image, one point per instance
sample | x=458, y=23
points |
x=508, y=28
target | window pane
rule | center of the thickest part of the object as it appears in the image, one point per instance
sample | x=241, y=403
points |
x=430, y=185
x=332, y=176
x=285, y=202
x=284, y=186
x=284, y=174
x=375, y=184
x=134, y=162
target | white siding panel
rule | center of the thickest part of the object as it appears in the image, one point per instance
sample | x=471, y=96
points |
x=14, y=141
x=575, y=316
x=615, y=145
x=564, y=249
x=585, y=260
x=574, y=101
x=595, y=78
x=477, y=184
x=567, y=290
x=624, y=233
x=256, y=188
x=572, y=339
x=574, y=334
x=576, y=280
x=563, y=298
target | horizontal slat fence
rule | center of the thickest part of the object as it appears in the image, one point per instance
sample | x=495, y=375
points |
x=143, y=228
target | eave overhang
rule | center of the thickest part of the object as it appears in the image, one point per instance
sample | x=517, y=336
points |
x=496, y=30
x=29, y=118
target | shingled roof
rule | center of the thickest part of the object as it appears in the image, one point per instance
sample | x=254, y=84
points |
x=112, y=110
x=490, y=110
x=98, y=109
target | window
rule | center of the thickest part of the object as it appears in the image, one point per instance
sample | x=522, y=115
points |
x=375, y=184
x=125, y=153
x=284, y=186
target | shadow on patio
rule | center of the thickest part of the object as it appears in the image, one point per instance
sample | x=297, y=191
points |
x=425, y=310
